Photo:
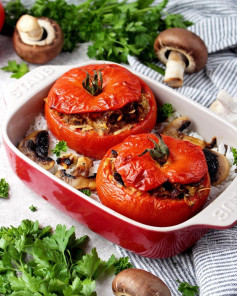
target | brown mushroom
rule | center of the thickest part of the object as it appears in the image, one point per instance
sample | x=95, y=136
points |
x=175, y=129
x=35, y=146
x=77, y=182
x=79, y=176
x=218, y=166
x=83, y=166
x=66, y=160
x=138, y=282
x=37, y=40
x=181, y=51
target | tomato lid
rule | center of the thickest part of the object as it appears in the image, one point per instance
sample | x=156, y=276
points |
x=186, y=162
x=119, y=87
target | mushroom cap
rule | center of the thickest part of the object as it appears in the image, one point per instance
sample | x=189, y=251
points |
x=185, y=42
x=138, y=282
x=42, y=51
x=218, y=166
x=36, y=146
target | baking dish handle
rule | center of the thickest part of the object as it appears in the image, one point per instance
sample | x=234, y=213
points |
x=222, y=212
x=30, y=83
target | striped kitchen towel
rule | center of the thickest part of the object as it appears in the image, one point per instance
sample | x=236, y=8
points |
x=212, y=263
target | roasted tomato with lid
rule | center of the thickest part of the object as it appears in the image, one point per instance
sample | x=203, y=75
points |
x=95, y=107
x=153, y=179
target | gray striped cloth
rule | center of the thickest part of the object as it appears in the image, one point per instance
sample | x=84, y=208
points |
x=211, y=264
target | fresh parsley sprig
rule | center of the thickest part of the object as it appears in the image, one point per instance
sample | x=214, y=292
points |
x=121, y=264
x=234, y=151
x=37, y=261
x=164, y=111
x=33, y=208
x=86, y=191
x=18, y=70
x=186, y=289
x=4, y=188
x=59, y=147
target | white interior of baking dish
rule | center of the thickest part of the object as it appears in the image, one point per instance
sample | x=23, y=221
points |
x=24, y=102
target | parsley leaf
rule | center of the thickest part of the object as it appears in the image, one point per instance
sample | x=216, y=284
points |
x=37, y=261
x=33, y=208
x=4, y=188
x=165, y=111
x=234, y=151
x=18, y=70
x=121, y=264
x=86, y=191
x=187, y=289
x=59, y=147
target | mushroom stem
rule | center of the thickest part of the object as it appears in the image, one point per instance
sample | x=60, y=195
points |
x=175, y=68
x=30, y=28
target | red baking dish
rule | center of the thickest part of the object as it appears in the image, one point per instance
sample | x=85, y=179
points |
x=25, y=101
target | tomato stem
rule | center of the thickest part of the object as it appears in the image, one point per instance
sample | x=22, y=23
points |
x=93, y=83
x=160, y=152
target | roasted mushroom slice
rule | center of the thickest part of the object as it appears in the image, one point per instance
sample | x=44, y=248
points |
x=36, y=146
x=178, y=125
x=83, y=166
x=79, y=176
x=77, y=182
x=66, y=160
x=218, y=166
x=138, y=282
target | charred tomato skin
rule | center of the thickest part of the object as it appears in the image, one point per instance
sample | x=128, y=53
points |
x=90, y=143
x=144, y=207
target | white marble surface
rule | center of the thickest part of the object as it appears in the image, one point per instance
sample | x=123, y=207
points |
x=16, y=208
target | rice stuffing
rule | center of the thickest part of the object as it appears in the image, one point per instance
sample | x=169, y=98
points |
x=41, y=124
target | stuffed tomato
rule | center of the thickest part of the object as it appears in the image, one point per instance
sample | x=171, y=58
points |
x=95, y=107
x=156, y=180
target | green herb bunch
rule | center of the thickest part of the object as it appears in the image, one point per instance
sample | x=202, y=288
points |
x=114, y=28
x=34, y=261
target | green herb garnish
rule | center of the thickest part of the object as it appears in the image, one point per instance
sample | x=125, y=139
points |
x=86, y=191
x=35, y=261
x=59, y=147
x=115, y=28
x=187, y=289
x=18, y=70
x=165, y=110
x=121, y=264
x=234, y=151
x=4, y=188
x=33, y=208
